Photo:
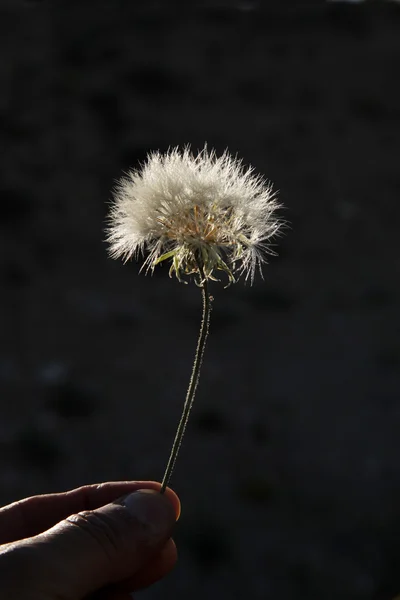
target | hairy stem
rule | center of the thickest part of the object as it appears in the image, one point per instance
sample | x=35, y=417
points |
x=194, y=380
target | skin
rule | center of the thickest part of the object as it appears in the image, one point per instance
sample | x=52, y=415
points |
x=31, y=517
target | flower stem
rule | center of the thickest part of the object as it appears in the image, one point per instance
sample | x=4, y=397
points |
x=194, y=380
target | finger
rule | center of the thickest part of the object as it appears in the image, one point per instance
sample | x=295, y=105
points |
x=94, y=549
x=34, y=515
x=109, y=594
x=158, y=567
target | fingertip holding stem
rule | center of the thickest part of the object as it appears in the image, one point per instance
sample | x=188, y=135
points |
x=174, y=499
x=146, y=506
x=142, y=498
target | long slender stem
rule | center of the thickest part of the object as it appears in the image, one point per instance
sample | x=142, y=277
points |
x=194, y=380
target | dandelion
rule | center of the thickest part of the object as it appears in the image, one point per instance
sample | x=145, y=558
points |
x=205, y=214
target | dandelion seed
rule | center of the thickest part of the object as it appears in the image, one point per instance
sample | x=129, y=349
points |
x=202, y=213
x=194, y=208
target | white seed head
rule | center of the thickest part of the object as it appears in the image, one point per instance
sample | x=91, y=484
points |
x=203, y=212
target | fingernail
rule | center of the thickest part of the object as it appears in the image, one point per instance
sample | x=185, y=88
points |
x=152, y=510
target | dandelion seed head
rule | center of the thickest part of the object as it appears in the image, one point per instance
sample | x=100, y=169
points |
x=205, y=213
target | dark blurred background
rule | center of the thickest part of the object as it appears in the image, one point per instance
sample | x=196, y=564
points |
x=290, y=471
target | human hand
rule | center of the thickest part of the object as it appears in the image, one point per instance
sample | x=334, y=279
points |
x=97, y=541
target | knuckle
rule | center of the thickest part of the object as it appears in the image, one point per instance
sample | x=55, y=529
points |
x=99, y=530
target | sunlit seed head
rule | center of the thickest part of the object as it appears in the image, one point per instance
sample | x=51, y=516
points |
x=202, y=212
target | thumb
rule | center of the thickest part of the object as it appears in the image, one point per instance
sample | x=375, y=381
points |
x=95, y=548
